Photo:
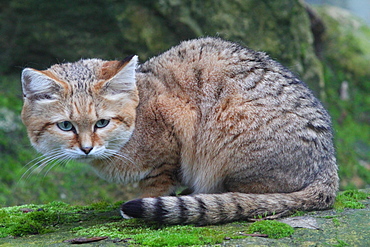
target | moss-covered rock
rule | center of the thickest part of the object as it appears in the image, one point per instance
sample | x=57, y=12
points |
x=59, y=224
x=346, y=44
x=281, y=28
x=66, y=30
x=273, y=229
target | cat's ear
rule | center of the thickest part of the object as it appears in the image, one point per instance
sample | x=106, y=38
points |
x=37, y=85
x=122, y=80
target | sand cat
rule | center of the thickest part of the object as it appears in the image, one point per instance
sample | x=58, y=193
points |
x=241, y=132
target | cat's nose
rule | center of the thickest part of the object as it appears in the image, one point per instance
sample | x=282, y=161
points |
x=86, y=150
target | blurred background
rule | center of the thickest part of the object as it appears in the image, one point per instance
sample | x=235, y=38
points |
x=326, y=43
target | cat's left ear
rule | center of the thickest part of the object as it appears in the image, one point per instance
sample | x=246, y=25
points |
x=123, y=81
x=39, y=85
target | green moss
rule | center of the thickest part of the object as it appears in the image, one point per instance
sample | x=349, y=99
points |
x=336, y=222
x=39, y=219
x=298, y=213
x=28, y=227
x=341, y=243
x=29, y=219
x=143, y=233
x=180, y=236
x=274, y=229
x=330, y=216
x=350, y=199
x=102, y=219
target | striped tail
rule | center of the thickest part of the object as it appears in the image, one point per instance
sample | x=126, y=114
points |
x=204, y=209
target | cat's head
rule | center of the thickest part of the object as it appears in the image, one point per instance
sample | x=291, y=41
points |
x=80, y=110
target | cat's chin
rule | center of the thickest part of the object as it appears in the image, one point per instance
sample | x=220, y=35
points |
x=86, y=159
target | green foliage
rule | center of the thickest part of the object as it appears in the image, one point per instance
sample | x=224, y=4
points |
x=345, y=58
x=350, y=199
x=273, y=228
x=13, y=140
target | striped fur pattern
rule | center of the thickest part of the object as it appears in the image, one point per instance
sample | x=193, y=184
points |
x=240, y=131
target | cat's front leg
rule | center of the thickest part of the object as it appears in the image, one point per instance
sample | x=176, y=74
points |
x=162, y=180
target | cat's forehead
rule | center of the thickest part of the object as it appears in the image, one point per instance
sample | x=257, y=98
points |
x=84, y=70
x=83, y=110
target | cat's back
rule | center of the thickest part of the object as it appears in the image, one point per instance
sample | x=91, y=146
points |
x=209, y=71
x=197, y=64
x=220, y=88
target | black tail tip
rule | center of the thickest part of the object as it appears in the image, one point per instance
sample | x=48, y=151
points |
x=132, y=209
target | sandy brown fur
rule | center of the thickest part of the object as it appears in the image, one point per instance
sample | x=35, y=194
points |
x=239, y=130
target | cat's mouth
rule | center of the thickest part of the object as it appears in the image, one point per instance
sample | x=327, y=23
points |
x=86, y=156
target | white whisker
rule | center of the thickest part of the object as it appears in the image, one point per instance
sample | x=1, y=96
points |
x=62, y=160
x=45, y=160
x=119, y=156
x=59, y=157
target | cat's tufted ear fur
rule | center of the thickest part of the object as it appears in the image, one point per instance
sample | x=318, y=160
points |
x=122, y=77
x=37, y=85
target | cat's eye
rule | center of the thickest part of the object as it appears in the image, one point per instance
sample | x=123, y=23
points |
x=65, y=126
x=102, y=123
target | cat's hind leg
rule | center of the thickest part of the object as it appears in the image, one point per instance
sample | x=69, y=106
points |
x=162, y=180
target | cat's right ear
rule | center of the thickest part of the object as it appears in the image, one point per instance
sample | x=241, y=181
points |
x=122, y=80
x=36, y=85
